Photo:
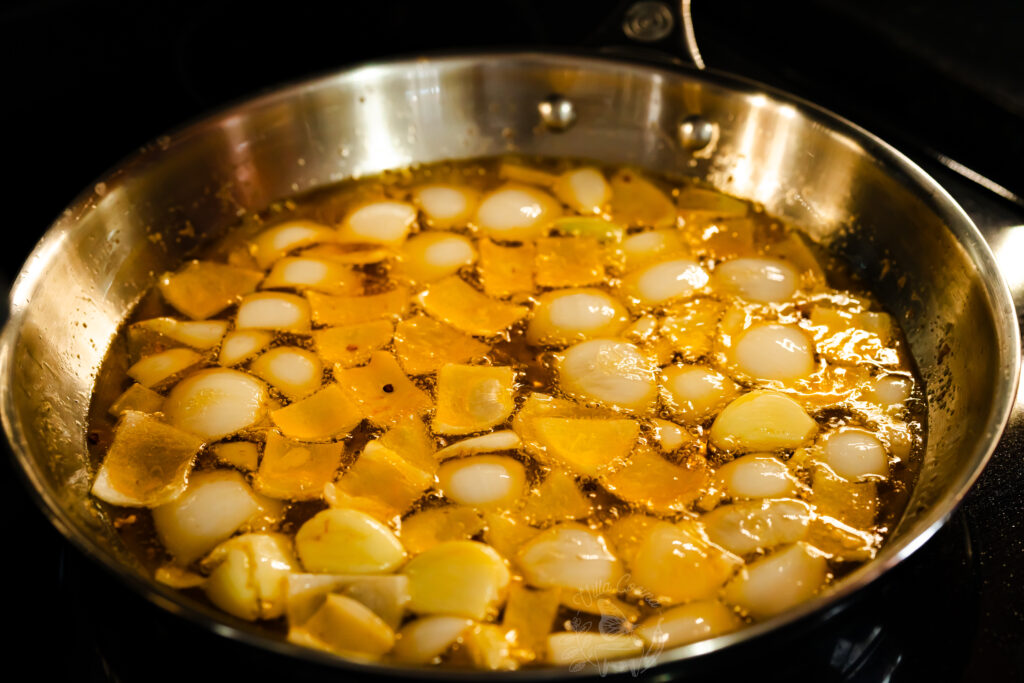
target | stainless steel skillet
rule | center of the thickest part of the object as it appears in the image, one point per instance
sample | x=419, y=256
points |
x=894, y=225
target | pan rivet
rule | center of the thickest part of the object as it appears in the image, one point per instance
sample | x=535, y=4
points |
x=557, y=112
x=695, y=132
x=648, y=22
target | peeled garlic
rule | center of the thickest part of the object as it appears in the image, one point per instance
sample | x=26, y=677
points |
x=695, y=391
x=750, y=526
x=459, y=578
x=424, y=640
x=341, y=541
x=675, y=563
x=277, y=241
x=431, y=256
x=611, y=372
x=215, y=505
x=199, y=334
x=312, y=273
x=273, y=311
x=216, y=403
x=584, y=189
x=762, y=421
x=778, y=582
x=855, y=454
x=664, y=282
x=501, y=440
x=758, y=475
x=762, y=280
x=483, y=480
x=446, y=205
x=571, y=556
x=294, y=371
x=152, y=371
x=584, y=647
x=516, y=212
x=384, y=222
x=688, y=623
x=249, y=576
x=890, y=389
x=775, y=352
x=570, y=315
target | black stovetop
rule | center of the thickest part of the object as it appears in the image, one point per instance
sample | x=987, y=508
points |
x=88, y=83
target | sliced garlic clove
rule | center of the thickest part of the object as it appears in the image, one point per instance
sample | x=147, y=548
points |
x=430, y=256
x=216, y=504
x=293, y=371
x=424, y=640
x=472, y=398
x=610, y=372
x=350, y=345
x=326, y=414
x=694, y=392
x=762, y=421
x=483, y=480
x=293, y=470
x=381, y=474
x=384, y=222
x=202, y=289
x=855, y=454
x=572, y=315
x=758, y=475
x=774, y=352
x=273, y=311
x=424, y=529
x=664, y=282
x=457, y=303
x=688, y=623
x=341, y=541
x=216, y=403
x=506, y=270
x=516, y=212
x=762, y=280
x=570, y=556
x=198, y=334
x=776, y=583
x=137, y=398
x=331, y=310
x=147, y=463
x=346, y=626
x=459, y=578
x=244, y=455
x=446, y=206
x=241, y=345
x=584, y=189
x=424, y=345
x=585, y=445
x=501, y=440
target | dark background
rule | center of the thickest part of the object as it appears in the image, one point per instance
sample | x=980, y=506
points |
x=88, y=83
